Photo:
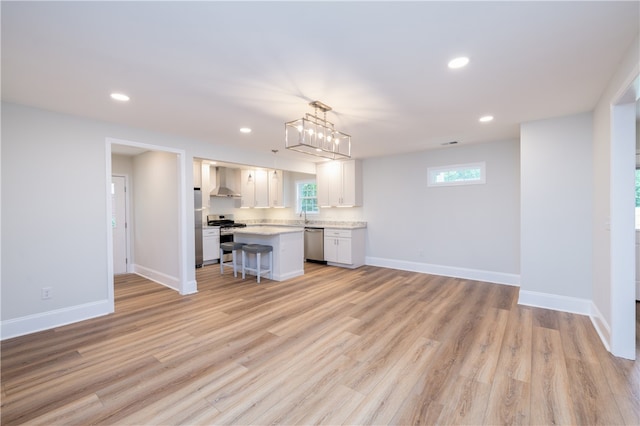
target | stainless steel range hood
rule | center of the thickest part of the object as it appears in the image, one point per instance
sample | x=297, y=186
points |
x=223, y=175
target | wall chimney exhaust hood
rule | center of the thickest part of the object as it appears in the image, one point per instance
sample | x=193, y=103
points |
x=222, y=190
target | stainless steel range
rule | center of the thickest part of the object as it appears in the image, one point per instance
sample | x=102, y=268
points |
x=227, y=226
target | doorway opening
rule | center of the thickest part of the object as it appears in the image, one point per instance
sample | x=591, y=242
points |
x=622, y=219
x=158, y=219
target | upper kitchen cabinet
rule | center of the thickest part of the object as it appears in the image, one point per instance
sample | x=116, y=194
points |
x=197, y=173
x=204, y=179
x=277, y=195
x=263, y=188
x=206, y=184
x=339, y=183
x=254, y=188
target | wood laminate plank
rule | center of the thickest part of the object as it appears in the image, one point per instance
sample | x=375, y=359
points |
x=593, y=402
x=292, y=404
x=466, y=402
x=275, y=368
x=550, y=387
x=23, y=405
x=576, y=341
x=509, y=401
x=333, y=408
x=386, y=398
x=481, y=359
x=79, y=411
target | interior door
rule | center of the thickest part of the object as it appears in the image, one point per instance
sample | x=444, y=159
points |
x=119, y=224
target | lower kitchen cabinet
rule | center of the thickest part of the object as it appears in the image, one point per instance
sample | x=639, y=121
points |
x=210, y=245
x=344, y=247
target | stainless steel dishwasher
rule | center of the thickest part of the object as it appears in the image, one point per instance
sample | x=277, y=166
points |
x=314, y=244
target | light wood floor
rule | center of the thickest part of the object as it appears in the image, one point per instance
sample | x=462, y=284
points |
x=370, y=346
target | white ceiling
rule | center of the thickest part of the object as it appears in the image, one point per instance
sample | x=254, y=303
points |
x=205, y=69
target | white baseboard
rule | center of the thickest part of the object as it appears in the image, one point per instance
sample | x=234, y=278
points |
x=56, y=318
x=601, y=325
x=158, y=277
x=447, y=271
x=191, y=288
x=292, y=274
x=555, y=302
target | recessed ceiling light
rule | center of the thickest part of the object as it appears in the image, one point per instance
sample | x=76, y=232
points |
x=486, y=119
x=245, y=130
x=119, y=97
x=458, y=62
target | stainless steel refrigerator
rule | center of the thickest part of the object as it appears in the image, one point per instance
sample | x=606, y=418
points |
x=197, y=202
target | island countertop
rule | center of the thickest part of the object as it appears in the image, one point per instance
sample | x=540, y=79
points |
x=267, y=230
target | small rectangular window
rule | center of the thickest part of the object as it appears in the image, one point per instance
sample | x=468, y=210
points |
x=307, y=197
x=458, y=174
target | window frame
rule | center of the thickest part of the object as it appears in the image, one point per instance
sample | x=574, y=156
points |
x=433, y=172
x=299, y=198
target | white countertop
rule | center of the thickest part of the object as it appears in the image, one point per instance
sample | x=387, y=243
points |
x=313, y=224
x=267, y=230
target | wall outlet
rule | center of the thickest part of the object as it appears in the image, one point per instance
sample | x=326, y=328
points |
x=47, y=293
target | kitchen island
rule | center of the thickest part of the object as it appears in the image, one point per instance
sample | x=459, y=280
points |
x=288, y=248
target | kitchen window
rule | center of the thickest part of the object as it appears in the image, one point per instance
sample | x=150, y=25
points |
x=458, y=174
x=307, y=197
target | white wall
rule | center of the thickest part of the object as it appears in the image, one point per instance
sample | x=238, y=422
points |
x=469, y=231
x=602, y=148
x=53, y=218
x=156, y=237
x=556, y=201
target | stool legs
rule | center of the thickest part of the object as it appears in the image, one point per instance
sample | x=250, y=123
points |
x=235, y=265
x=257, y=250
x=244, y=256
x=258, y=266
x=234, y=257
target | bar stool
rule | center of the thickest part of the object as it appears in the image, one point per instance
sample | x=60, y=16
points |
x=233, y=247
x=257, y=249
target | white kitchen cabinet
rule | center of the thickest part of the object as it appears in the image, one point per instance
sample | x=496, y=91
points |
x=254, y=188
x=206, y=187
x=210, y=245
x=339, y=183
x=197, y=173
x=247, y=188
x=344, y=247
x=262, y=189
x=276, y=189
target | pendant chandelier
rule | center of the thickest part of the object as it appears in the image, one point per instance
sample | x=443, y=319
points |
x=315, y=135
